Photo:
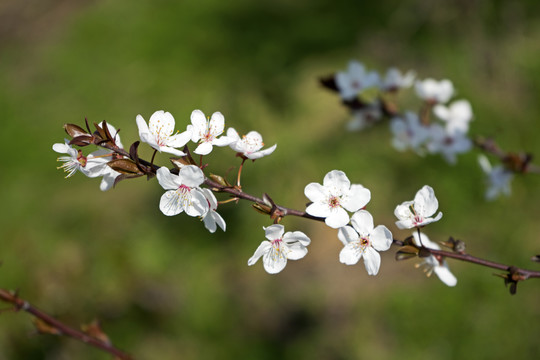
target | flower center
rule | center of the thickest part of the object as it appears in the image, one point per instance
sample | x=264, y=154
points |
x=184, y=192
x=334, y=202
x=277, y=251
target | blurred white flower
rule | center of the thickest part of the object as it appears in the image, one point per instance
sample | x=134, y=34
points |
x=334, y=196
x=434, y=91
x=249, y=145
x=159, y=133
x=354, y=80
x=409, y=133
x=395, y=80
x=279, y=248
x=362, y=240
x=418, y=212
x=432, y=264
x=446, y=143
x=457, y=115
x=498, y=178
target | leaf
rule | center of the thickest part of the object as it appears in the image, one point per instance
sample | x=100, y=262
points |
x=74, y=130
x=406, y=252
x=220, y=180
x=94, y=330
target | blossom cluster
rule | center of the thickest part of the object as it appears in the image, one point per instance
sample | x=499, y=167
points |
x=337, y=202
x=438, y=127
x=184, y=191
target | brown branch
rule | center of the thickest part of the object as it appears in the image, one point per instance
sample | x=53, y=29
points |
x=62, y=328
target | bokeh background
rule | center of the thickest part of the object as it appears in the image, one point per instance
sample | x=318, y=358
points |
x=164, y=288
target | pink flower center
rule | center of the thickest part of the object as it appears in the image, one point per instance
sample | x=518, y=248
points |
x=333, y=202
x=81, y=159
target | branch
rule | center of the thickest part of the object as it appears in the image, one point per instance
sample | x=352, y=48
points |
x=61, y=328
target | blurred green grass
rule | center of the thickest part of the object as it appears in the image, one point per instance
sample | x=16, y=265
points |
x=164, y=287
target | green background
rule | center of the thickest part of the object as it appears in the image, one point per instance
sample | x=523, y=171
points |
x=163, y=287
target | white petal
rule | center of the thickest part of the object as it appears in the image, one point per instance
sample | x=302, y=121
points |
x=217, y=123
x=403, y=211
x=179, y=140
x=315, y=192
x=161, y=123
x=260, y=154
x=171, y=150
x=191, y=175
x=170, y=203
x=349, y=254
x=381, y=238
x=198, y=205
x=222, y=141
x=212, y=201
x=362, y=222
x=167, y=180
x=347, y=235
x=444, y=274
x=233, y=134
x=337, y=179
x=263, y=248
x=296, y=236
x=143, y=127
x=356, y=198
x=199, y=125
x=273, y=264
x=204, y=148
x=61, y=148
x=337, y=218
x=319, y=209
x=372, y=261
x=425, y=202
x=274, y=232
x=296, y=251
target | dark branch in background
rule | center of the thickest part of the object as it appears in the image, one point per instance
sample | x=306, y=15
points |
x=50, y=325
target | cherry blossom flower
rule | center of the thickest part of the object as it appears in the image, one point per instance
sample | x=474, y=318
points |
x=206, y=132
x=409, y=133
x=363, y=240
x=395, y=80
x=334, y=196
x=449, y=144
x=183, y=192
x=418, y=212
x=457, y=115
x=498, y=178
x=212, y=219
x=354, y=80
x=249, y=145
x=159, y=133
x=434, y=264
x=279, y=248
x=365, y=117
x=434, y=91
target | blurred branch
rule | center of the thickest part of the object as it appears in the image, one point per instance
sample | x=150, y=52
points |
x=48, y=324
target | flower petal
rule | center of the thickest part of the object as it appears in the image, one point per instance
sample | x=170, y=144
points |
x=274, y=232
x=319, y=209
x=179, y=140
x=161, y=124
x=372, y=261
x=347, y=235
x=338, y=180
x=337, y=218
x=272, y=263
x=350, y=255
x=167, y=180
x=362, y=222
x=199, y=125
x=191, y=175
x=261, y=250
x=296, y=236
x=381, y=238
x=198, y=205
x=204, y=148
x=425, y=202
x=356, y=198
x=315, y=192
x=444, y=274
x=296, y=251
x=170, y=203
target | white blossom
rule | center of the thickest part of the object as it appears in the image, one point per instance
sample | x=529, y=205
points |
x=434, y=91
x=183, y=192
x=365, y=117
x=409, y=133
x=249, y=145
x=446, y=143
x=418, y=212
x=457, y=115
x=395, y=80
x=362, y=240
x=334, y=196
x=279, y=248
x=498, y=178
x=206, y=131
x=159, y=133
x=432, y=264
x=354, y=80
